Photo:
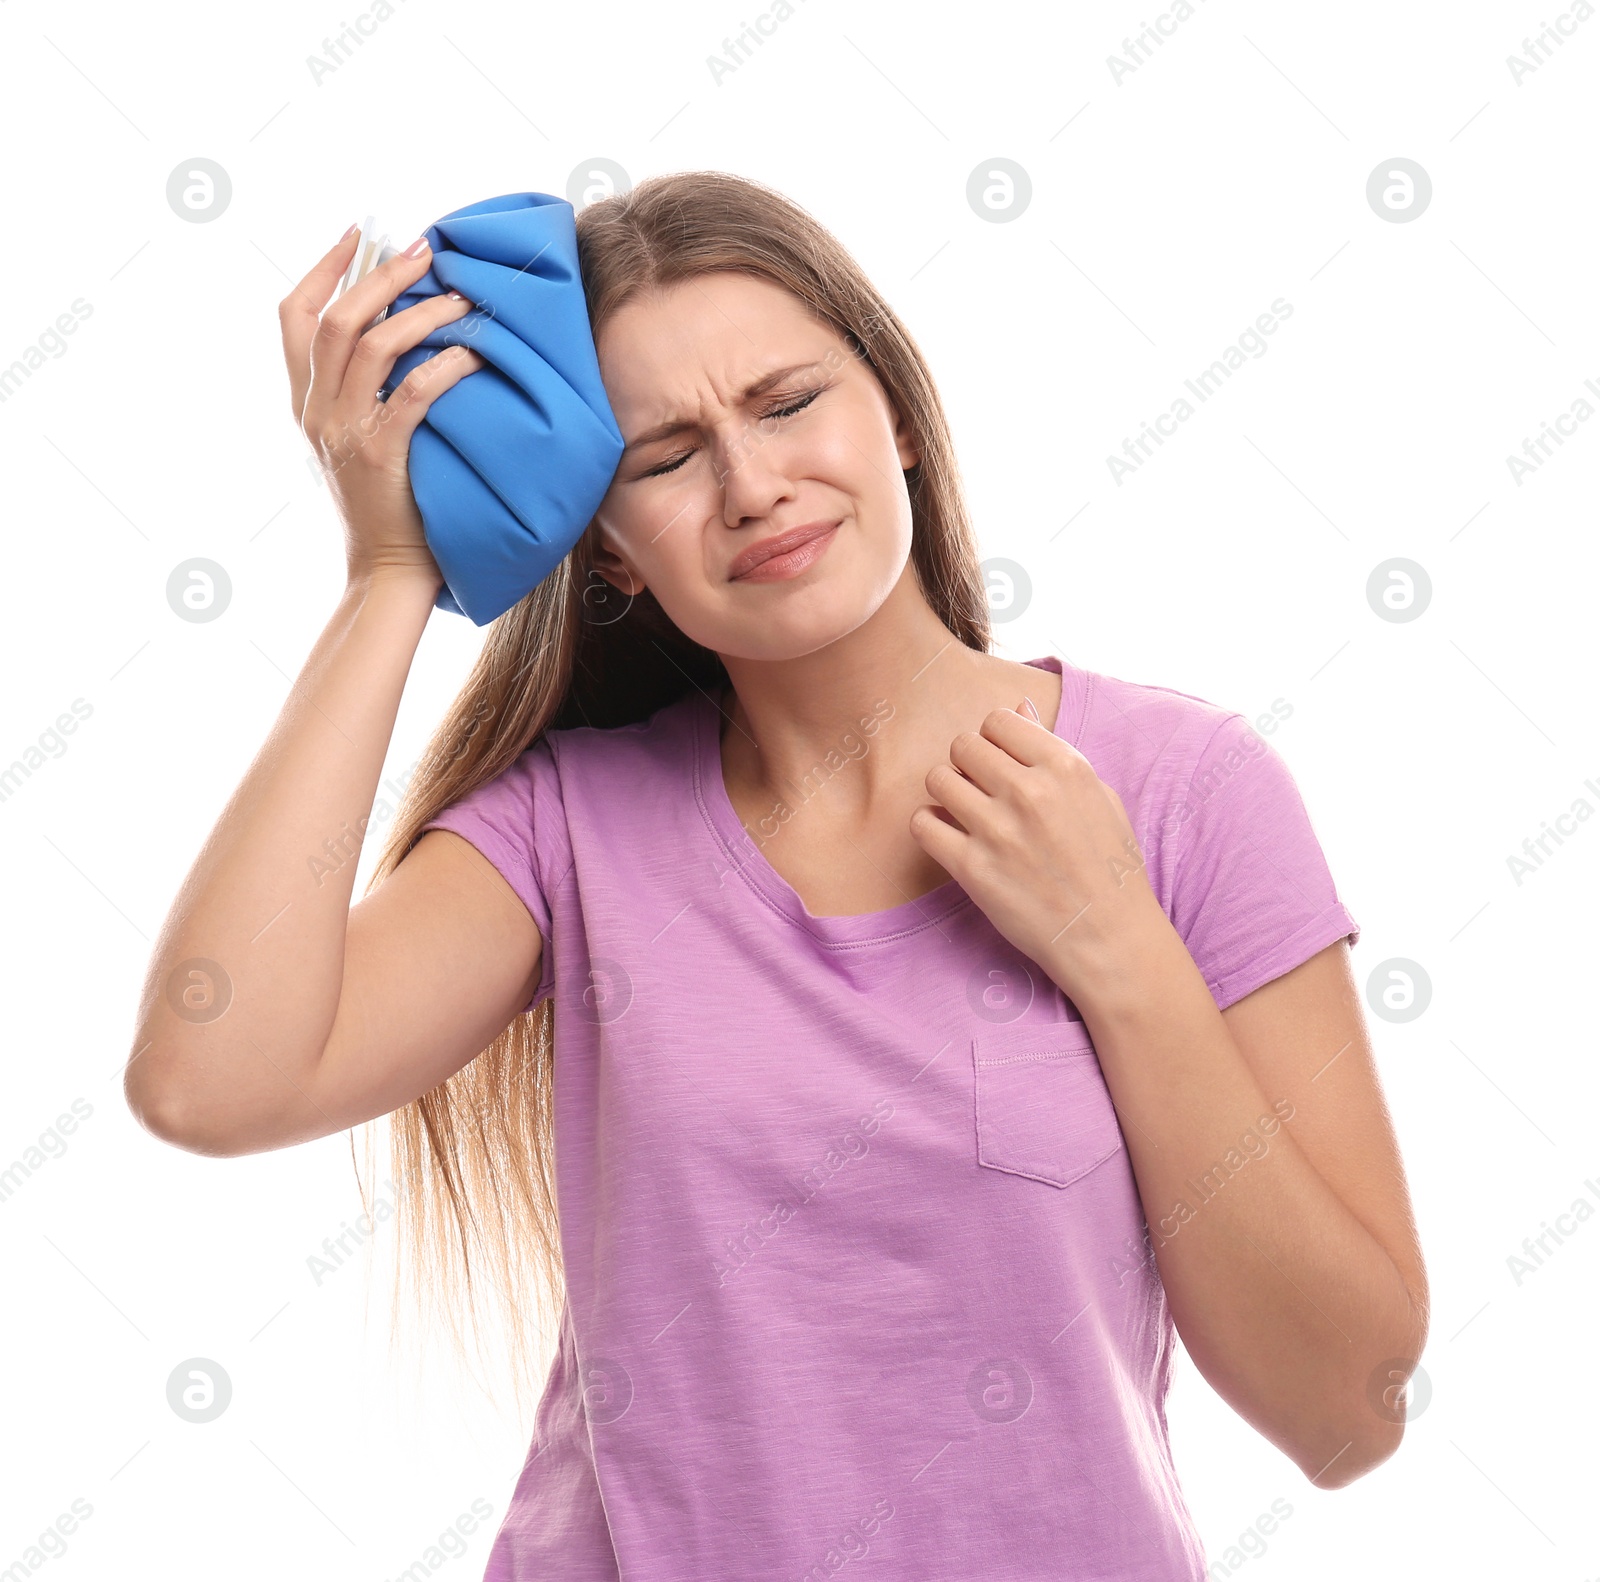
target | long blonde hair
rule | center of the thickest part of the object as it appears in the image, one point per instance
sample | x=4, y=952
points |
x=473, y=1160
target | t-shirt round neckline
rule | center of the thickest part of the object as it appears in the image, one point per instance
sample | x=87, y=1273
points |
x=740, y=850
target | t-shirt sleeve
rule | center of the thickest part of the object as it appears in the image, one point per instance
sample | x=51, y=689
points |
x=517, y=822
x=1252, y=896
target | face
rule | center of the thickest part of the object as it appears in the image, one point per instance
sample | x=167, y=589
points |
x=746, y=417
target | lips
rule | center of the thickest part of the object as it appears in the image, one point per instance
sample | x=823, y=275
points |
x=779, y=544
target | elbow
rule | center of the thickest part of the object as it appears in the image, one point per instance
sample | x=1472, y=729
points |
x=1370, y=1419
x=168, y=1123
x=177, y=1129
x=1372, y=1423
x=1365, y=1449
x=162, y=1112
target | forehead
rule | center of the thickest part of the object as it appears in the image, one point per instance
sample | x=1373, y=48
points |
x=663, y=352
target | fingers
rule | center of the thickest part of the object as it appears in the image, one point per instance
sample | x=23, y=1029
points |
x=1019, y=736
x=420, y=388
x=991, y=767
x=955, y=794
x=941, y=838
x=299, y=311
x=337, y=336
x=378, y=350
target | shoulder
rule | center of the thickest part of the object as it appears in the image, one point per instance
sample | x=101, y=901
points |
x=638, y=777
x=1230, y=847
x=667, y=735
x=1148, y=733
x=1187, y=767
x=557, y=759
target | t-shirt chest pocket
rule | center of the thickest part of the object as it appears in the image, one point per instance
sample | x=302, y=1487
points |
x=1041, y=1104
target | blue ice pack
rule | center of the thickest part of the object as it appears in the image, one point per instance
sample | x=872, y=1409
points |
x=510, y=463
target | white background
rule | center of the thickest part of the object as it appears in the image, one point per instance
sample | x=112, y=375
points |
x=1167, y=212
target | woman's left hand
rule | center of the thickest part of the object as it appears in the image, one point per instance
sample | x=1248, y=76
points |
x=1041, y=843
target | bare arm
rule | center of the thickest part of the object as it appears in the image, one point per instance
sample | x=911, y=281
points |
x=1297, y=1284
x=273, y=1013
x=326, y=1016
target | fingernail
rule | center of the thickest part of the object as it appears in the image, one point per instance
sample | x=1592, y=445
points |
x=456, y=296
x=354, y=225
x=1027, y=703
x=417, y=248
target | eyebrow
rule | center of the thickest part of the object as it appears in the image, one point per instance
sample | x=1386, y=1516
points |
x=677, y=425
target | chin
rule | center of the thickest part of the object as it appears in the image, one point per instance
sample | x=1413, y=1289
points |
x=790, y=629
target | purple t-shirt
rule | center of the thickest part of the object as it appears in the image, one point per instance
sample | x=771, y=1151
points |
x=855, y=1258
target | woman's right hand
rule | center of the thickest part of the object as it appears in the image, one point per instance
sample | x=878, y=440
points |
x=335, y=372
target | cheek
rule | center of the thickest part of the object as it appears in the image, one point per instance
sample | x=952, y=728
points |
x=849, y=445
x=664, y=541
x=855, y=451
x=646, y=526
x=669, y=540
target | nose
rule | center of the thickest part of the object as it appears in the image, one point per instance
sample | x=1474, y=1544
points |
x=750, y=467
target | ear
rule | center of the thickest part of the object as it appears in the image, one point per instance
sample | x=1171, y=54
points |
x=905, y=442
x=615, y=569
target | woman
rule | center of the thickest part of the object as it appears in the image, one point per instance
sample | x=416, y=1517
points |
x=931, y=1033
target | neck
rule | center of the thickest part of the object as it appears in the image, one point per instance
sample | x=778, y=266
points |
x=882, y=702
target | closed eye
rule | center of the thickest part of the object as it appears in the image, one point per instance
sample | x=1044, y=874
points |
x=779, y=412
